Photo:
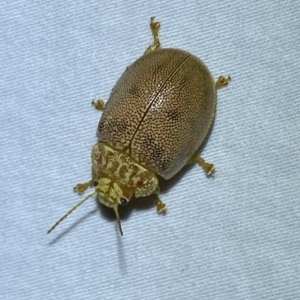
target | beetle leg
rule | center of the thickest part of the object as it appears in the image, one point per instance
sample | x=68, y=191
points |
x=222, y=81
x=98, y=104
x=207, y=167
x=81, y=187
x=154, y=28
x=160, y=206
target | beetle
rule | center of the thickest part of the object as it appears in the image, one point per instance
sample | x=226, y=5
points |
x=157, y=116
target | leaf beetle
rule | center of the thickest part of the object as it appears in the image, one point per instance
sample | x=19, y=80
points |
x=157, y=116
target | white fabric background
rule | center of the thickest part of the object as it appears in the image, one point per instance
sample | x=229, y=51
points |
x=235, y=236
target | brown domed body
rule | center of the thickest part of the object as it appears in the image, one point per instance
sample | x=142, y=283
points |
x=160, y=110
x=157, y=116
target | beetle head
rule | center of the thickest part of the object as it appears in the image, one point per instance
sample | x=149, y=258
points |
x=112, y=194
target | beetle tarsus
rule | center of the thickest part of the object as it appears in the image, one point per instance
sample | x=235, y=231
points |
x=222, y=81
x=155, y=26
x=160, y=206
x=208, y=168
x=81, y=187
x=98, y=104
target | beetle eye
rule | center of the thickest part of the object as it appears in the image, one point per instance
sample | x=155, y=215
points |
x=95, y=183
x=123, y=201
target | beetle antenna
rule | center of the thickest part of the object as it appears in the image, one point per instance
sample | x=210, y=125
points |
x=118, y=219
x=71, y=210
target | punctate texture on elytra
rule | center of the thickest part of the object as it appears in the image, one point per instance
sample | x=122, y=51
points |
x=160, y=110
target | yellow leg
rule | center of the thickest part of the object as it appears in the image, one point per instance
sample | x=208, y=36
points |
x=207, y=167
x=81, y=187
x=222, y=81
x=160, y=206
x=98, y=104
x=154, y=28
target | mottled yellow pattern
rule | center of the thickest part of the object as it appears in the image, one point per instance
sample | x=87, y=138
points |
x=123, y=170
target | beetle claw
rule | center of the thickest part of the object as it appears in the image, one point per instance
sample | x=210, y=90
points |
x=160, y=206
x=222, y=81
x=209, y=169
x=98, y=104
